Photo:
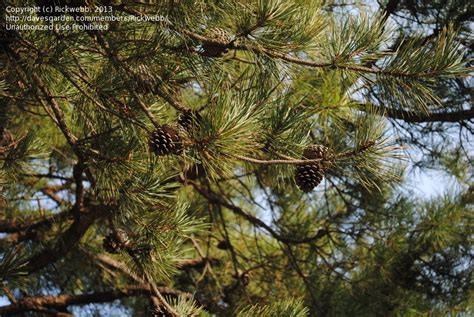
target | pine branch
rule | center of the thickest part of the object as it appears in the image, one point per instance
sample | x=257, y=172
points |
x=187, y=264
x=94, y=100
x=58, y=113
x=389, y=8
x=78, y=170
x=32, y=223
x=298, y=61
x=419, y=117
x=213, y=198
x=392, y=71
x=21, y=236
x=116, y=265
x=164, y=306
x=197, y=263
x=51, y=192
x=361, y=149
x=271, y=162
x=67, y=241
x=117, y=62
x=39, y=303
x=49, y=175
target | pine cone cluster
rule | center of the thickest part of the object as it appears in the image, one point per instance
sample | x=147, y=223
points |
x=168, y=139
x=116, y=241
x=165, y=140
x=213, y=49
x=307, y=177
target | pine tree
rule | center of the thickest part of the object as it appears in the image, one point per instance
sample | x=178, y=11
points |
x=238, y=158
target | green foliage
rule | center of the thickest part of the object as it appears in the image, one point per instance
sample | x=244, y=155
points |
x=219, y=228
x=285, y=24
x=12, y=267
x=19, y=157
x=285, y=308
x=162, y=236
x=422, y=62
x=187, y=307
x=368, y=157
x=355, y=39
x=440, y=57
x=231, y=126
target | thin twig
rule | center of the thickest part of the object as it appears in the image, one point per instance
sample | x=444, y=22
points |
x=270, y=162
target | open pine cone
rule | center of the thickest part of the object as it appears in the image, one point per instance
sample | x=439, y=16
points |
x=165, y=140
x=307, y=177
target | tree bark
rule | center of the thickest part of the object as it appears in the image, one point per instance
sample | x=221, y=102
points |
x=419, y=117
x=40, y=303
x=66, y=242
